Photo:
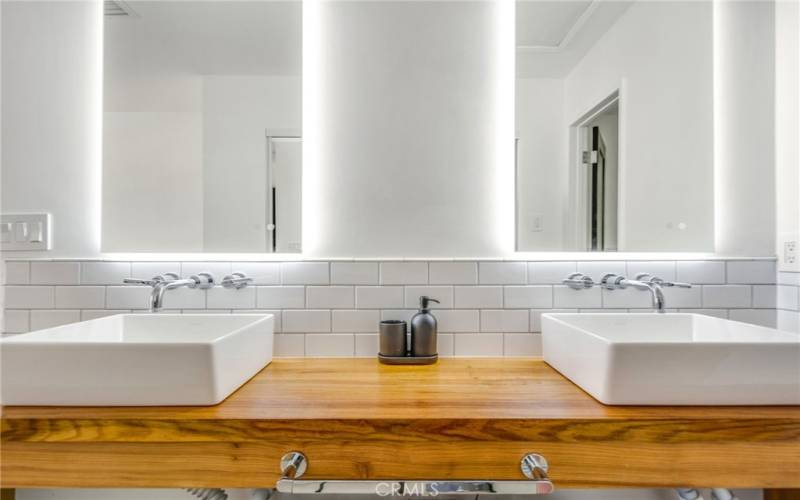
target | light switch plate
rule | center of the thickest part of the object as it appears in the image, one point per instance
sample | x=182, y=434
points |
x=22, y=232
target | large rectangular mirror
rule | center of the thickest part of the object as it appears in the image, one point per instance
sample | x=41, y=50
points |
x=202, y=126
x=614, y=121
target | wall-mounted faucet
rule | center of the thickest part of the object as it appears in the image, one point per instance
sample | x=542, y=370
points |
x=170, y=281
x=643, y=281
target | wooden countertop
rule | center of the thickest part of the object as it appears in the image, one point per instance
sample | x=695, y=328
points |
x=460, y=418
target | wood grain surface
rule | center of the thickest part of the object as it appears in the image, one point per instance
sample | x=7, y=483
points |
x=355, y=418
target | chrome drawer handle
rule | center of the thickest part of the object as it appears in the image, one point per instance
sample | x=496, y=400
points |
x=294, y=465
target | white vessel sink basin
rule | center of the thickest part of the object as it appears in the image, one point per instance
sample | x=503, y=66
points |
x=136, y=360
x=673, y=359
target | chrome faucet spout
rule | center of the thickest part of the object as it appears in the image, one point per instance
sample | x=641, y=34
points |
x=643, y=281
x=160, y=288
x=656, y=292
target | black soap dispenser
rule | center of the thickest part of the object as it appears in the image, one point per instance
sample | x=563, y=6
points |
x=423, y=332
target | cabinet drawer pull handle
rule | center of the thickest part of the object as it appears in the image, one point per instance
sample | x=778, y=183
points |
x=294, y=465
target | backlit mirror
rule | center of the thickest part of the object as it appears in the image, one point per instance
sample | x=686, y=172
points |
x=614, y=123
x=202, y=126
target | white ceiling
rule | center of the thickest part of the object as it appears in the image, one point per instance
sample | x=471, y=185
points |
x=554, y=35
x=265, y=37
x=206, y=37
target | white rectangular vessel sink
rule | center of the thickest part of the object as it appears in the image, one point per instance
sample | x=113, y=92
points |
x=673, y=359
x=136, y=360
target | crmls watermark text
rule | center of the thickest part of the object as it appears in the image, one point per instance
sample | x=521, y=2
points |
x=406, y=489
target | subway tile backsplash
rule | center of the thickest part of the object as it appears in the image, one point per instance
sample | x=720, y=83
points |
x=322, y=308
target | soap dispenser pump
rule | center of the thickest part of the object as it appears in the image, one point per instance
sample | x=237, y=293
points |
x=424, y=330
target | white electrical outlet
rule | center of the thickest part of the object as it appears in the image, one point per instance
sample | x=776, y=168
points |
x=790, y=252
x=25, y=232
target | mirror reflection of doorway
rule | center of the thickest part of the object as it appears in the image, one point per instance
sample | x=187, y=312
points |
x=602, y=174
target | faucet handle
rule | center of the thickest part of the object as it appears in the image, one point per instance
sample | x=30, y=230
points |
x=137, y=281
x=578, y=281
x=612, y=281
x=203, y=281
x=235, y=280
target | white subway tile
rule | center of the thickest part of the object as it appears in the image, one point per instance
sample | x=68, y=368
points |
x=536, y=317
x=305, y=273
x=528, y=297
x=263, y=273
x=761, y=317
x=281, y=297
x=106, y=273
x=456, y=321
x=149, y=270
x=330, y=345
x=444, y=294
x=628, y=298
x=90, y=314
x=18, y=273
x=522, y=344
x=128, y=297
x=789, y=278
x=765, y=296
x=80, y=297
x=356, y=321
x=479, y=344
x=404, y=273
x=399, y=315
x=752, y=272
x=366, y=345
x=55, y=273
x=276, y=317
x=502, y=273
x=16, y=321
x=289, y=345
x=453, y=273
x=217, y=269
x=306, y=320
x=475, y=297
x=701, y=272
x=727, y=296
x=354, y=273
x=684, y=297
x=789, y=321
x=787, y=297
x=30, y=297
x=330, y=297
x=549, y=272
x=379, y=297
x=42, y=319
x=715, y=313
x=597, y=269
x=185, y=298
x=568, y=298
x=666, y=270
x=229, y=298
x=505, y=320
x=444, y=344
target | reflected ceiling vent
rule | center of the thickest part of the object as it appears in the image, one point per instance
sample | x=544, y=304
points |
x=118, y=8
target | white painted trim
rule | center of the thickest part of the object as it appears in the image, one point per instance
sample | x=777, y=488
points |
x=579, y=23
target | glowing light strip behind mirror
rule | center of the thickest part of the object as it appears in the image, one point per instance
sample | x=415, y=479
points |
x=312, y=174
x=505, y=81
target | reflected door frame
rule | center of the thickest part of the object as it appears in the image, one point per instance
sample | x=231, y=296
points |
x=270, y=200
x=578, y=227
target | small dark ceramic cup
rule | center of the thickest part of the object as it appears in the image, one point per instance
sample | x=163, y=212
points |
x=393, y=338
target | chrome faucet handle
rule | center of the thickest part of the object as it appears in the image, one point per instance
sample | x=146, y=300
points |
x=578, y=281
x=235, y=280
x=647, y=277
x=203, y=281
x=137, y=281
x=613, y=281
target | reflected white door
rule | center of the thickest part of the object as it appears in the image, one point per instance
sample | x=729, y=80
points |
x=285, y=194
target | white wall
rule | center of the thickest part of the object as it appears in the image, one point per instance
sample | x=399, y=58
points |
x=541, y=164
x=51, y=94
x=787, y=125
x=744, y=43
x=153, y=150
x=238, y=112
x=404, y=159
x=660, y=53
